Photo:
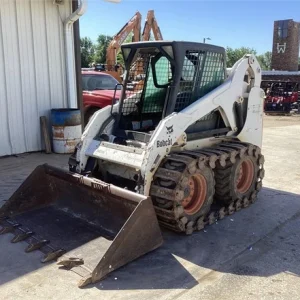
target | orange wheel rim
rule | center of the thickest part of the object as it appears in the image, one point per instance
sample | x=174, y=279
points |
x=197, y=190
x=245, y=176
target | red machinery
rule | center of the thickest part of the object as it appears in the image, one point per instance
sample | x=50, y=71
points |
x=281, y=96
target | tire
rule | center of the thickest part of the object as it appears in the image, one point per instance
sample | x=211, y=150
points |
x=218, y=167
x=237, y=180
x=192, y=212
x=194, y=190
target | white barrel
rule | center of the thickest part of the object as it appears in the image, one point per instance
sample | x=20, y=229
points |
x=66, y=129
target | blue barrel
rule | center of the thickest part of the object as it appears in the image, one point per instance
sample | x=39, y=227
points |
x=66, y=129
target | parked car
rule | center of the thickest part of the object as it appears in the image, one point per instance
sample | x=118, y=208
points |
x=100, y=67
x=98, y=91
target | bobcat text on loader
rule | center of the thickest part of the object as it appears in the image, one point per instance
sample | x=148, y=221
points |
x=180, y=151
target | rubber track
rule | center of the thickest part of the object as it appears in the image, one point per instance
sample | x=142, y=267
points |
x=172, y=218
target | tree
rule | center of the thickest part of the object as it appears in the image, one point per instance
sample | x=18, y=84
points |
x=87, y=52
x=265, y=60
x=101, y=47
x=233, y=55
x=120, y=59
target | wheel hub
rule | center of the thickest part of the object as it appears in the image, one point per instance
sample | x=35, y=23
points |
x=195, y=194
x=245, y=176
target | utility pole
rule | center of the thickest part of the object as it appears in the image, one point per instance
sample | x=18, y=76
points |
x=206, y=39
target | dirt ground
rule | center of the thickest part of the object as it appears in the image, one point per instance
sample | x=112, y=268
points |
x=253, y=254
x=281, y=121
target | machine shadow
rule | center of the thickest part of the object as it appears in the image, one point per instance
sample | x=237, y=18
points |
x=262, y=240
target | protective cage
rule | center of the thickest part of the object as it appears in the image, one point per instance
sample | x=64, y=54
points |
x=166, y=77
x=92, y=227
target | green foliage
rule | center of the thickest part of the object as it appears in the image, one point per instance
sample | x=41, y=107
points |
x=87, y=52
x=233, y=55
x=101, y=46
x=120, y=59
x=129, y=38
x=265, y=60
x=96, y=53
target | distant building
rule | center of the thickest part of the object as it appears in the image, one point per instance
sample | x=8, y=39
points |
x=285, y=45
x=281, y=76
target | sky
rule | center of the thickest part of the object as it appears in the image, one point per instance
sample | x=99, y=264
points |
x=226, y=23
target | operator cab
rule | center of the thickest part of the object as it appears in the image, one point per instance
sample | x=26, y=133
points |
x=163, y=78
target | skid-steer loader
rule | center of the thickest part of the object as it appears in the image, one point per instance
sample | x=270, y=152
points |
x=181, y=151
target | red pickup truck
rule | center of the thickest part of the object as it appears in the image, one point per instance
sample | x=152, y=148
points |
x=98, y=91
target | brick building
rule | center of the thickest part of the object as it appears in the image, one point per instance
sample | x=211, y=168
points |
x=285, y=45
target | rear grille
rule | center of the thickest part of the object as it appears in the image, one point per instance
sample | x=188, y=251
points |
x=202, y=72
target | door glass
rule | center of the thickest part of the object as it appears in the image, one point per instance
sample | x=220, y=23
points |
x=163, y=71
x=155, y=97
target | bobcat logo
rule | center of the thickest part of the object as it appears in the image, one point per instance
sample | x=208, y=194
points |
x=281, y=48
x=169, y=129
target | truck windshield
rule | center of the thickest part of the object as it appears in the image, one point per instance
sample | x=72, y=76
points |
x=91, y=82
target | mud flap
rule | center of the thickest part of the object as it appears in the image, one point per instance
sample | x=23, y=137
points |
x=91, y=227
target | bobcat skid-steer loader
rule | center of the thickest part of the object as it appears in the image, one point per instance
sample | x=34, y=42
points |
x=180, y=150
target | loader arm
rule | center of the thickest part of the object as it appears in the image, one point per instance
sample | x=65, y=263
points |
x=134, y=24
x=151, y=23
x=223, y=99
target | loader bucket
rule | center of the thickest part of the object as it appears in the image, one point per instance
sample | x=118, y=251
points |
x=91, y=227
